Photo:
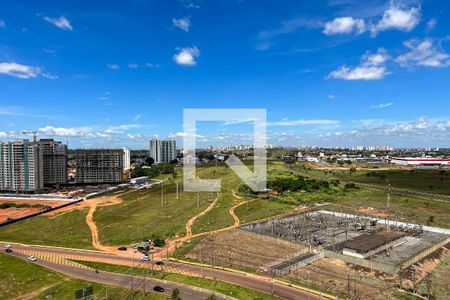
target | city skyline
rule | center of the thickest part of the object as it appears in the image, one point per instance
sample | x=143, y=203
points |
x=329, y=73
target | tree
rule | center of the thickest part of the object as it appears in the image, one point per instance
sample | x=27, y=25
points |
x=149, y=161
x=175, y=294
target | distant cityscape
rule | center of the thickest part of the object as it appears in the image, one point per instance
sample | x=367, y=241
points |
x=30, y=166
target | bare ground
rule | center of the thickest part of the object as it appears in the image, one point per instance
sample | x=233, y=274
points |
x=240, y=248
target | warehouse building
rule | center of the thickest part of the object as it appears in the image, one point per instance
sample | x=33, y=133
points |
x=366, y=245
x=421, y=162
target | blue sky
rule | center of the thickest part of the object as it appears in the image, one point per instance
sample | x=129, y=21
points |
x=329, y=73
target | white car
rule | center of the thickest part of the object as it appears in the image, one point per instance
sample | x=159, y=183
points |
x=145, y=258
x=31, y=258
x=7, y=246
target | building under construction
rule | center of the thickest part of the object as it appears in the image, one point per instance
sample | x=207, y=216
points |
x=95, y=166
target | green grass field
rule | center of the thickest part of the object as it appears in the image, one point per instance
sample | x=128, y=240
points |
x=427, y=181
x=219, y=217
x=224, y=288
x=21, y=279
x=141, y=216
x=261, y=209
x=67, y=230
x=402, y=208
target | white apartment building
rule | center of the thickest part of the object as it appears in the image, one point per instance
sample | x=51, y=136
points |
x=126, y=159
x=163, y=151
x=21, y=167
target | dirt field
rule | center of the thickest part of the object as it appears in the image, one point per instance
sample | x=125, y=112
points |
x=339, y=277
x=369, y=211
x=15, y=212
x=243, y=249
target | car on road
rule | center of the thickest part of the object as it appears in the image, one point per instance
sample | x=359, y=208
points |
x=122, y=248
x=32, y=258
x=7, y=246
x=8, y=250
x=159, y=263
x=145, y=258
x=159, y=289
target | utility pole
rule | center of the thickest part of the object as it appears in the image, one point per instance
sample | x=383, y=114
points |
x=348, y=284
x=162, y=193
x=201, y=259
x=177, y=189
x=271, y=282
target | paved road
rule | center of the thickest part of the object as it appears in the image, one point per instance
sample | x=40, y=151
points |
x=124, y=281
x=256, y=282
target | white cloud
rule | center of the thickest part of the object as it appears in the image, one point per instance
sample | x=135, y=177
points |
x=183, y=23
x=19, y=71
x=344, y=25
x=2, y=23
x=192, y=5
x=61, y=22
x=149, y=65
x=50, y=76
x=186, y=56
x=137, y=118
x=372, y=67
x=133, y=66
x=113, y=66
x=302, y=122
x=431, y=24
x=331, y=97
x=424, y=54
x=382, y=105
x=59, y=131
x=136, y=136
x=397, y=18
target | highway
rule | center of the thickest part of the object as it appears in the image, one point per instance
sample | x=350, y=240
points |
x=125, y=281
x=61, y=255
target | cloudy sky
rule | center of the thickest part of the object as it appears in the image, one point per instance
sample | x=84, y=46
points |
x=330, y=73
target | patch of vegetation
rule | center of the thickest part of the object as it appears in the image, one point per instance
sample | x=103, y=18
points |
x=22, y=279
x=153, y=171
x=23, y=205
x=224, y=288
x=66, y=230
x=140, y=216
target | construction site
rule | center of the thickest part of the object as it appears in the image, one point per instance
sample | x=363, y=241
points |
x=352, y=255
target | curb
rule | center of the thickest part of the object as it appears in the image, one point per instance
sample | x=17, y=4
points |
x=282, y=282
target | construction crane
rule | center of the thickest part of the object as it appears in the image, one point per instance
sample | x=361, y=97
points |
x=34, y=133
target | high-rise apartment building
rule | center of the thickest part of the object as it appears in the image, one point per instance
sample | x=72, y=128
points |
x=126, y=158
x=163, y=151
x=99, y=165
x=55, y=161
x=21, y=167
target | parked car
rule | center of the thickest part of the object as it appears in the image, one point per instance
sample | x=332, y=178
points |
x=145, y=258
x=7, y=246
x=122, y=248
x=158, y=289
x=32, y=258
x=159, y=263
x=8, y=250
